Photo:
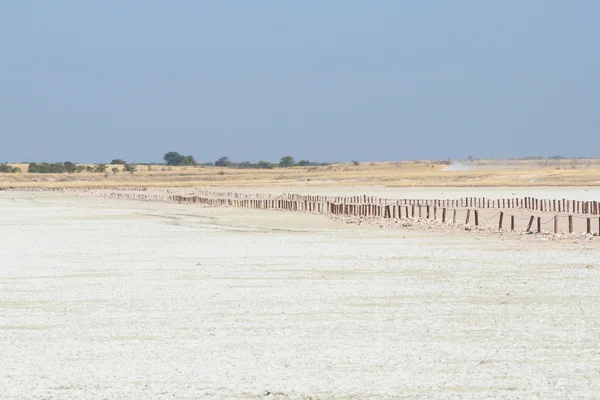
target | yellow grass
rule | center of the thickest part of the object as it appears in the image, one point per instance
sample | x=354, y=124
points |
x=392, y=174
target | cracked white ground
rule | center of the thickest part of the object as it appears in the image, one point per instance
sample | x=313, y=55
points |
x=109, y=299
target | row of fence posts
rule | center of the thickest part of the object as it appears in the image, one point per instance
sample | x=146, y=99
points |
x=367, y=206
x=525, y=203
x=386, y=211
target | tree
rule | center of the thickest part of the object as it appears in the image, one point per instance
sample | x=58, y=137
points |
x=118, y=161
x=223, y=162
x=303, y=163
x=286, y=162
x=131, y=168
x=175, y=159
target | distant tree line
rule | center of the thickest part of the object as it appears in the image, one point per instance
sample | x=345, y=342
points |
x=174, y=158
x=66, y=167
x=285, y=162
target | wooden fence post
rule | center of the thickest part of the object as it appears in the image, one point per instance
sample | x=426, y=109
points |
x=443, y=215
x=530, y=223
x=589, y=226
x=570, y=224
x=539, y=224
x=512, y=222
x=476, y=217
x=556, y=223
x=454, y=216
x=500, y=221
x=468, y=216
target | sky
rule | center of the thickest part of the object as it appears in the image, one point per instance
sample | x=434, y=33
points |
x=335, y=80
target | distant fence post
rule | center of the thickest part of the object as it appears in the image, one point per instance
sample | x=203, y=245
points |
x=589, y=226
x=530, y=223
x=570, y=224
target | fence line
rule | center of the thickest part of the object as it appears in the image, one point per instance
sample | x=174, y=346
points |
x=465, y=209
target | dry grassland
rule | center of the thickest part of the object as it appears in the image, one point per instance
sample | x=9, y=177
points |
x=485, y=173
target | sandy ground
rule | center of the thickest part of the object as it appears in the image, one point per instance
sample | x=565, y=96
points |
x=109, y=299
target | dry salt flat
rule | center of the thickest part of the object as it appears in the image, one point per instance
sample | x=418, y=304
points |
x=126, y=300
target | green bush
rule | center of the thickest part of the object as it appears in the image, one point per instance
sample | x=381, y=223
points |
x=100, y=168
x=264, y=165
x=7, y=169
x=131, y=168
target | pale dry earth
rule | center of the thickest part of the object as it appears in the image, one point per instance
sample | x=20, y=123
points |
x=123, y=299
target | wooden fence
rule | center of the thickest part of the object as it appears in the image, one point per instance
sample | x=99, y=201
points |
x=549, y=216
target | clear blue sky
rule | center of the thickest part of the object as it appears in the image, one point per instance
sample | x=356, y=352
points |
x=335, y=80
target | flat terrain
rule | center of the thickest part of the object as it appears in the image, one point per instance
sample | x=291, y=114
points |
x=491, y=173
x=109, y=299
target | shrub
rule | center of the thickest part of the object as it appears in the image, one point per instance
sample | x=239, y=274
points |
x=131, y=168
x=100, y=168
x=46, y=168
x=70, y=167
x=7, y=169
x=264, y=165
